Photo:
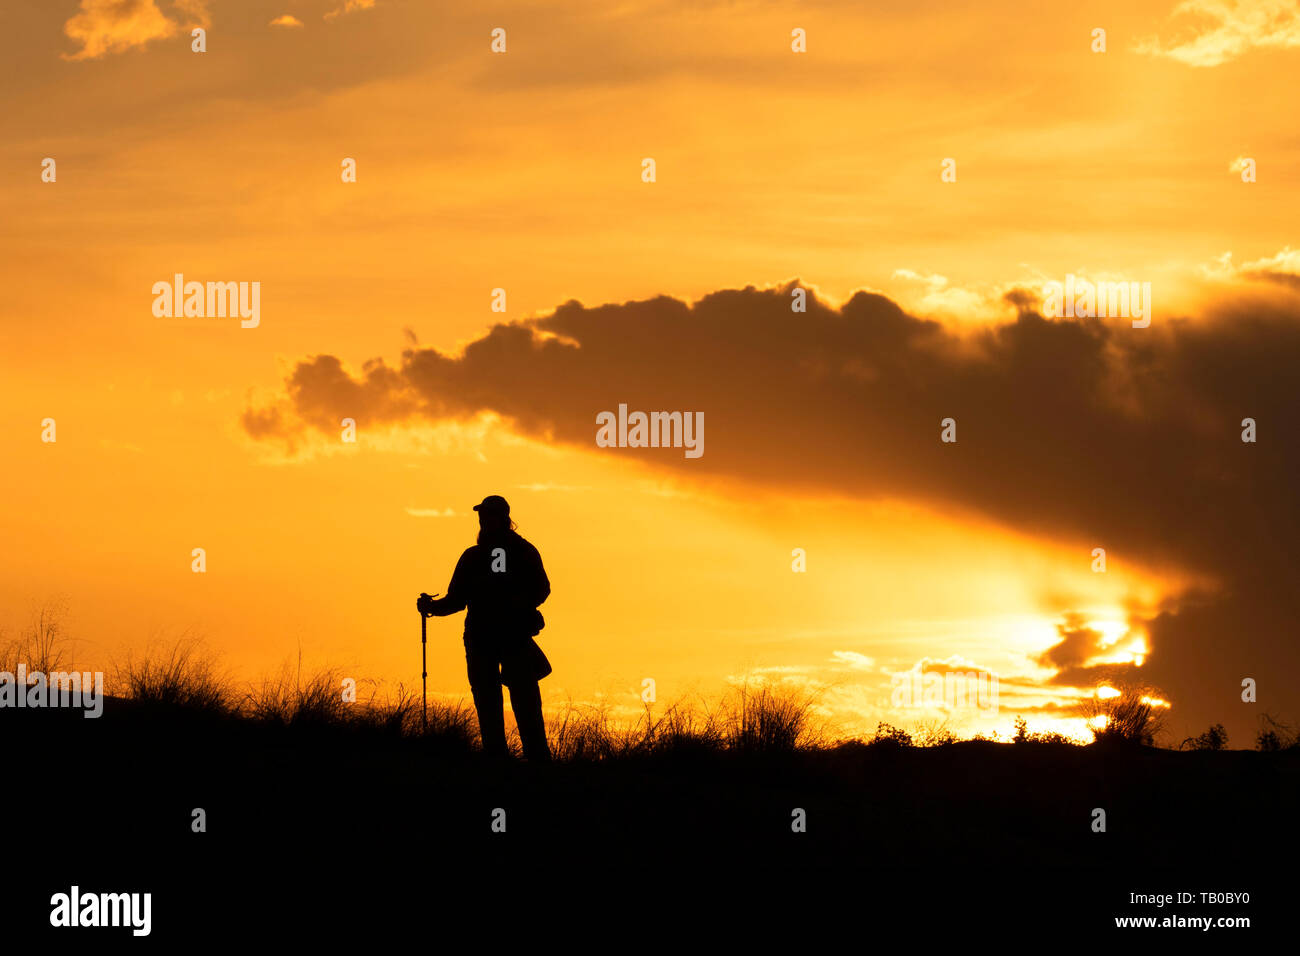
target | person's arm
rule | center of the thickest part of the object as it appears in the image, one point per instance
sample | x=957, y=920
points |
x=457, y=592
x=541, y=583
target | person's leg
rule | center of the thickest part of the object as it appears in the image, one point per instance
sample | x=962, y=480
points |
x=526, y=702
x=491, y=719
x=485, y=685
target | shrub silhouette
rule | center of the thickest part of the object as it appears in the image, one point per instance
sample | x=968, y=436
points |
x=1275, y=735
x=1023, y=736
x=1022, y=731
x=1268, y=741
x=889, y=737
x=934, y=733
x=1216, y=738
x=43, y=644
x=1129, y=718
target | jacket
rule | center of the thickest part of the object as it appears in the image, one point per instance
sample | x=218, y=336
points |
x=502, y=583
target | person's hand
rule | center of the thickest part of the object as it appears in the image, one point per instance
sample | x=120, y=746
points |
x=425, y=604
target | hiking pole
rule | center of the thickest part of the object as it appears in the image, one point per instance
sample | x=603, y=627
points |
x=424, y=667
x=424, y=673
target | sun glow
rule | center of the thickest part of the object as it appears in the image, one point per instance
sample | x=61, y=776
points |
x=1119, y=643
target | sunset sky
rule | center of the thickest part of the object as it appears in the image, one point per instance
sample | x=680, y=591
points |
x=523, y=171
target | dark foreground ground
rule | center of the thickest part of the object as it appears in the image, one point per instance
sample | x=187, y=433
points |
x=332, y=834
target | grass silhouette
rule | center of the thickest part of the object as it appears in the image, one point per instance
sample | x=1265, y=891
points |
x=181, y=678
x=765, y=719
x=286, y=766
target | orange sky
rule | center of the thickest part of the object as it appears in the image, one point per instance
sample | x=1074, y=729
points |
x=522, y=171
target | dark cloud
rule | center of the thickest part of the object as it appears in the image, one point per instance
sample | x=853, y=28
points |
x=1289, y=279
x=1079, y=643
x=1086, y=431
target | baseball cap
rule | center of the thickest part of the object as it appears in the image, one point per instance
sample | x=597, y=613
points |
x=494, y=505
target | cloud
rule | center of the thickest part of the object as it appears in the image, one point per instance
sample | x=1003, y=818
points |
x=854, y=660
x=1212, y=32
x=937, y=297
x=1283, y=268
x=113, y=26
x=1079, y=643
x=350, y=6
x=1074, y=430
x=953, y=664
x=110, y=26
x=196, y=11
x=431, y=513
x=1086, y=656
x=286, y=20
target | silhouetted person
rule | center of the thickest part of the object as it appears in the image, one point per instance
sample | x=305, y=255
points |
x=502, y=582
